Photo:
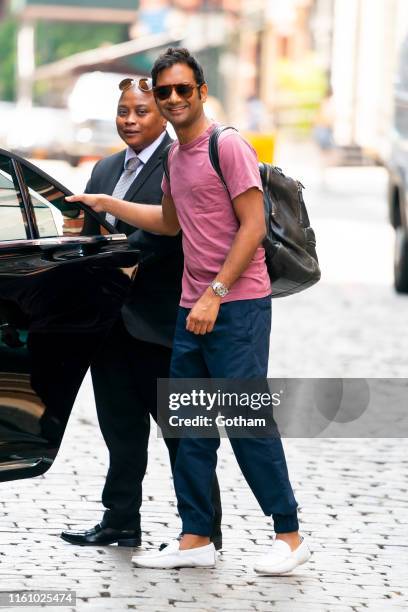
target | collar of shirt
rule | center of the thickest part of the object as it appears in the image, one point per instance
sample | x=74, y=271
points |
x=145, y=153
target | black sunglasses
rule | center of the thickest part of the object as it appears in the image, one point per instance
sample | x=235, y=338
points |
x=184, y=90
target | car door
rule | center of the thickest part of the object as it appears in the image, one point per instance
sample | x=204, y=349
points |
x=60, y=292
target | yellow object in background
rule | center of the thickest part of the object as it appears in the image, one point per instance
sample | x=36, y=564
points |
x=264, y=145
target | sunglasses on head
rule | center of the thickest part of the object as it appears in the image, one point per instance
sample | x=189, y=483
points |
x=144, y=84
x=184, y=90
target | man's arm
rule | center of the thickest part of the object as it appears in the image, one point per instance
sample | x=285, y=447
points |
x=249, y=209
x=156, y=219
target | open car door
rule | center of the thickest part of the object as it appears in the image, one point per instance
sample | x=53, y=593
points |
x=60, y=292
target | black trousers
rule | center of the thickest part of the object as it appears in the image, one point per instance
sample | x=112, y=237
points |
x=124, y=377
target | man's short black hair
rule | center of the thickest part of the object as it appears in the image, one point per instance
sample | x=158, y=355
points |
x=177, y=55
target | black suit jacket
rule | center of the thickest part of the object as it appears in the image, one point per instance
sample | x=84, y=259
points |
x=151, y=309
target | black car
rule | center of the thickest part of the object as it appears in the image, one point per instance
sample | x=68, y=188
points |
x=60, y=292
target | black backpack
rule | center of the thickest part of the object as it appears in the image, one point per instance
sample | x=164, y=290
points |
x=290, y=243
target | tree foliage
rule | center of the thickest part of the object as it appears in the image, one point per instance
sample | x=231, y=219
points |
x=54, y=41
x=8, y=38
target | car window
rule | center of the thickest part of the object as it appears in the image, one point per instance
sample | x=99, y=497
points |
x=54, y=216
x=12, y=217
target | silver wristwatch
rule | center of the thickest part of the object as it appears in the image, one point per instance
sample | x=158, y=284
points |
x=219, y=288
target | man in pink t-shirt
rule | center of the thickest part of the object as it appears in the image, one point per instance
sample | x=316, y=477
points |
x=209, y=222
x=224, y=317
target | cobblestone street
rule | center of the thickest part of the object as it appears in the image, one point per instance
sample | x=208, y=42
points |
x=352, y=493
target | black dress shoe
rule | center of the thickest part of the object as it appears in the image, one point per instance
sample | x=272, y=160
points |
x=102, y=536
x=215, y=539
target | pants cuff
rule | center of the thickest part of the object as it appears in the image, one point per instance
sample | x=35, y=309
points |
x=285, y=523
x=114, y=522
x=198, y=529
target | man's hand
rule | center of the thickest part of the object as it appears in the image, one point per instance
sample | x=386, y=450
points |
x=204, y=313
x=96, y=201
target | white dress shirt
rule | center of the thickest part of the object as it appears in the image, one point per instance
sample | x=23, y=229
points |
x=145, y=154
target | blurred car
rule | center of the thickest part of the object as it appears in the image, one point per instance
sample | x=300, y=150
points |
x=39, y=132
x=92, y=106
x=85, y=128
x=60, y=291
x=398, y=174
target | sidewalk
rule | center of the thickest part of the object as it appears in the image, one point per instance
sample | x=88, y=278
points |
x=354, y=513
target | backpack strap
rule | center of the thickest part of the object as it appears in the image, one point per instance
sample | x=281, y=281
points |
x=165, y=160
x=213, y=149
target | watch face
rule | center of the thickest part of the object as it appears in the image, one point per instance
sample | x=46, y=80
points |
x=220, y=289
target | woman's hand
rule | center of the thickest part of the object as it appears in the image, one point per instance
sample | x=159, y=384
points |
x=99, y=202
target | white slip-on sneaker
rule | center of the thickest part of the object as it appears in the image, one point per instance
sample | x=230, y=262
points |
x=281, y=559
x=171, y=546
x=169, y=557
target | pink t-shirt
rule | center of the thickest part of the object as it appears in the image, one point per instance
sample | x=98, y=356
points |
x=206, y=214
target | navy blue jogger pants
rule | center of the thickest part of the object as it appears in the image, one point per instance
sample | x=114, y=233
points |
x=238, y=347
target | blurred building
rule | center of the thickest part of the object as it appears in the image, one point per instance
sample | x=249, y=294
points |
x=238, y=42
x=258, y=60
x=30, y=12
x=367, y=36
x=291, y=74
x=268, y=62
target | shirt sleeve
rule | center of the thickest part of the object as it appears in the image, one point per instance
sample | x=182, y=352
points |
x=239, y=164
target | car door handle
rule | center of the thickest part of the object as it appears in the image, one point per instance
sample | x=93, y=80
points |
x=20, y=464
x=69, y=252
x=72, y=254
x=121, y=255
